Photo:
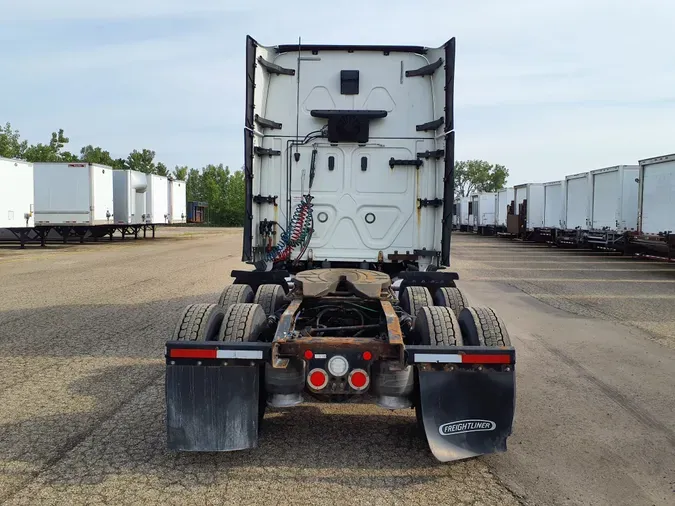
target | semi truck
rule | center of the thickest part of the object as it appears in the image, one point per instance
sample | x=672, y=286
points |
x=347, y=295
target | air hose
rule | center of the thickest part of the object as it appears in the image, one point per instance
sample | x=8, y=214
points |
x=299, y=231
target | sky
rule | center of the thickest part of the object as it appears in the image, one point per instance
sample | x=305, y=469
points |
x=547, y=88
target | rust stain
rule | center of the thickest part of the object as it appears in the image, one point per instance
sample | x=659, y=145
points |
x=393, y=325
x=296, y=347
x=284, y=326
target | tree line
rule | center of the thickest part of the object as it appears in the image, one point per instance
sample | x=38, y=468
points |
x=222, y=189
x=216, y=185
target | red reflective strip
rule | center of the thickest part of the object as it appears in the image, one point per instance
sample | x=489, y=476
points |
x=189, y=353
x=486, y=359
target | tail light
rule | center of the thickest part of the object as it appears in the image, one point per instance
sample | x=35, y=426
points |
x=317, y=379
x=359, y=379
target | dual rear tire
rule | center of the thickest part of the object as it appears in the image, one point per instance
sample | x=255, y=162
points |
x=240, y=315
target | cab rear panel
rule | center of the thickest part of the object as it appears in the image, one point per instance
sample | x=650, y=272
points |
x=343, y=120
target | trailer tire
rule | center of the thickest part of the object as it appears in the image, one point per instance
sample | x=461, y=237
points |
x=199, y=322
x=450, y=297
x=270, y=297
x=235, y=294
x=243, y=323
x=482, y=327
x=415, y=298
x=438, y=326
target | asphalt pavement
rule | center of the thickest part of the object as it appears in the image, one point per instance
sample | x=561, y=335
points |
x=82, y=329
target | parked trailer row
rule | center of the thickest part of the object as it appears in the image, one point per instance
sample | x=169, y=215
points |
x=44, y=201
x=624, y=207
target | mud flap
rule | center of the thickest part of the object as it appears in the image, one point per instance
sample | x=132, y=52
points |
x=466, y=413
x=212, y=408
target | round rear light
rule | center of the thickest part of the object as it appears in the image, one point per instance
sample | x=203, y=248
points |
x=358, y=379
x=367, y=355
x=338, y=366
x=317, y=379
x=309, y=355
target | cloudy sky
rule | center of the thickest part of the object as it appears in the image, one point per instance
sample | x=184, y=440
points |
x=545, y=87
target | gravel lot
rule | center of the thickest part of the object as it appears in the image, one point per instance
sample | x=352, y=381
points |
x=82, y=329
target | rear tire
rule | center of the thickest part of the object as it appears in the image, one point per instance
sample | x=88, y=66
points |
x=243, y=323
x=435, y=326
x=415, y=298
x=450, y=297
x=235, y=294
x=482, y=327
x=270, y=297
x=438, y=326
x=199, y=322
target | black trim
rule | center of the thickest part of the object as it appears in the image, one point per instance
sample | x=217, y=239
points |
x=326, y=113
x=432, y=280
x=315, y=48
x=260, y=151
x=267, y=123
x=269, y=199
x=256, y=278
x=438, y=154
x=431, y=125
x=393, y=162
x=273, y=68
x=429, y=203
x=247, y=241
x=427, y=70
x=449, y=172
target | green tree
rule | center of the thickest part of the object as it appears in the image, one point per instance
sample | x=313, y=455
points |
x=50, y=152
x=11, y=145
x=93, y=154
x=181, y=173
x=194, y=186
x=142, y=161
x=235, y=200
x=161, y=169
x=119, y=164
x=478, y=176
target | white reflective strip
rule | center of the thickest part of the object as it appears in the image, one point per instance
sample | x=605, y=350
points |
x=320, y=355
x=245, y=354
x=438, y=358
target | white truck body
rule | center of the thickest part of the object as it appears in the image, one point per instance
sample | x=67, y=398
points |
x=614, y=198
x=578, y=201
x=485, y=210
x=464, y=211
x=533, y=193
x=455, y=213
x=129, y=200
x=177, y=202
x=77, y=193
x=554, y=204
x=473, y=210
x=504, y=198
x=372, y=127
x=16, y=194
x=157, y=200
x=656, y=195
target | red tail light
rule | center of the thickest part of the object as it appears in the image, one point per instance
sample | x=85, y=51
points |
x=358, y=379
x=317, y=378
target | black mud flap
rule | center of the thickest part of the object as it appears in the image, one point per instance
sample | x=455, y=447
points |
x=212, y=408
x=466, y=413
